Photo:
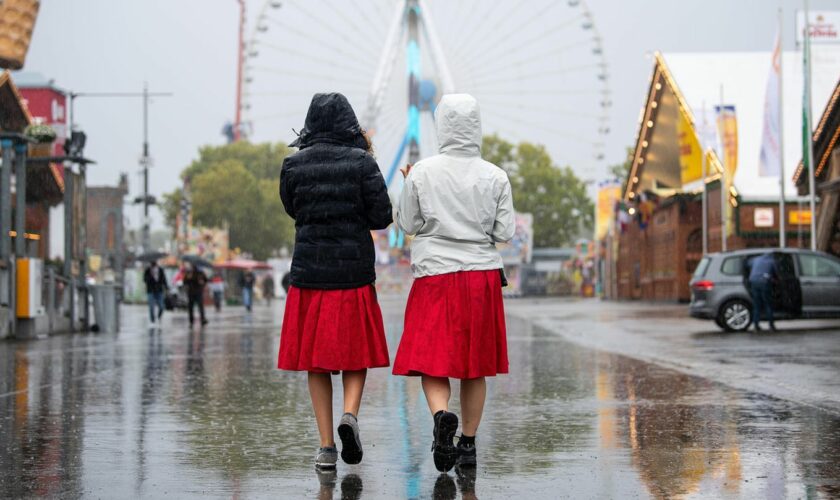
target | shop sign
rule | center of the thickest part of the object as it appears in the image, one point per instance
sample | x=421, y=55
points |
x=799, y=217
x=764, y=217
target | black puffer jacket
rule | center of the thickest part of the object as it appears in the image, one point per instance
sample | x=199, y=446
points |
x=335, y=192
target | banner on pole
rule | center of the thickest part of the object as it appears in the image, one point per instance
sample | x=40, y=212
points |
x=609, y=192
x=727, y=123
x=691, y=160
x=770, y=157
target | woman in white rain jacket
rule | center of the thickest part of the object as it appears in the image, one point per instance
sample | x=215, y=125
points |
x=458, y=207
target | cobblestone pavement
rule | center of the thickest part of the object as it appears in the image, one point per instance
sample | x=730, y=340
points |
x=180, y=413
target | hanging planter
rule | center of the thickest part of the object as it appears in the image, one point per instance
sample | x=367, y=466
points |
x=40, y=133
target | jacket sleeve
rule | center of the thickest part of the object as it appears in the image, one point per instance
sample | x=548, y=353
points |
x=375, y=196
x=505, y=225
x=286, y=191
x=409, y=217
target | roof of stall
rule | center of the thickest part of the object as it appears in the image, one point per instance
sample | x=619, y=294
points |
x=693, y=82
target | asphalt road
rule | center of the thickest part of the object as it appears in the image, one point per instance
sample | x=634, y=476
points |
x=584, y=413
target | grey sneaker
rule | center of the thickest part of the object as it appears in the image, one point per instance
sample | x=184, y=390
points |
x=351, y=445
x=326, y=457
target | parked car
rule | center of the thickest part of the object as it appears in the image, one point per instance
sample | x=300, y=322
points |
x=808, y=286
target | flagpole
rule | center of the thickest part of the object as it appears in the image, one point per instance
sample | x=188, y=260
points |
x=723, y=187
x=807, y=141
x=782, y=214
x=705, y=192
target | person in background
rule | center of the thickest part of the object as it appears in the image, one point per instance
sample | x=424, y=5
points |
x=195, y=280
x=156, y=285
x=763, y=275
x=217, y=288
x=247, y=282
x=268, y=288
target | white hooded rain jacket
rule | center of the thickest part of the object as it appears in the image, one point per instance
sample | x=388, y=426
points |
x=457, y=205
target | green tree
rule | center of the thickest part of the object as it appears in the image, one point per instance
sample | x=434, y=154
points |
x=555, y=196
x=236, y=186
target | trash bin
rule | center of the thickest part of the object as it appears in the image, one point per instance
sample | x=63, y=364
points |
x=105, y=307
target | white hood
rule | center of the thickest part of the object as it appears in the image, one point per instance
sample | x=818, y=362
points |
x=456, y=205
x=458, y=125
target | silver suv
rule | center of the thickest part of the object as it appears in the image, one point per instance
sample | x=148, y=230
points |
x=808, y=286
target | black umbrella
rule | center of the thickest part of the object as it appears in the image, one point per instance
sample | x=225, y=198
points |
x=197, y=261
x=151, y=256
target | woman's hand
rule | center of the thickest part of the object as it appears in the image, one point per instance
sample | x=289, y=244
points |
x=406, y=169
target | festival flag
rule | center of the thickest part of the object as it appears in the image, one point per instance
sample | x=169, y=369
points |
x=770, y=159
x=727, y=123
x=690, y=152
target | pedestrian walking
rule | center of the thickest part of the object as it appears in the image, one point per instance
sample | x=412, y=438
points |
x=334, y=190
x=194, y=281
x=246, y=282
x=268, y=288
x=156, y=286
x=217, y=289
x=458, y=207
x=763, y=275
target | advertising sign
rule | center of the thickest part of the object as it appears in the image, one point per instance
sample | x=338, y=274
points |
x=824, y=27
x=799, y=217
x=763, y=217
x=518, y=250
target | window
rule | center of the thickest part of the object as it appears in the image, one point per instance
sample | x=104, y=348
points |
x=701, y=268
x=817, y=265
x=733, y=266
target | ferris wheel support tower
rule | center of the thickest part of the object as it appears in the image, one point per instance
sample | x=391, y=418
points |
x=407, y=25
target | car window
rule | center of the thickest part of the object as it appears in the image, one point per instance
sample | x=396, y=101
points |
x=817, y=265
x=701, y=268
x=732, y=266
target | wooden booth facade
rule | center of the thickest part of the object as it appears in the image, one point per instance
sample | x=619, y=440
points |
x=660, y=219
x=826, y=144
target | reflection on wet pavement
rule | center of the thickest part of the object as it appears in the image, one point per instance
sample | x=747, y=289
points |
x=203, y=413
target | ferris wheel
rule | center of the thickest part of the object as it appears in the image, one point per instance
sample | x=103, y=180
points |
x=537, y=68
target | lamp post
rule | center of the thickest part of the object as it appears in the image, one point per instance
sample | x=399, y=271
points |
x=145, y=159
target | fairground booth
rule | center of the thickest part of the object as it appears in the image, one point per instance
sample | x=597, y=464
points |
x=702, y=124
x=826, y=142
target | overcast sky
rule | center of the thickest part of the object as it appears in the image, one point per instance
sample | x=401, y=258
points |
x=188, y=47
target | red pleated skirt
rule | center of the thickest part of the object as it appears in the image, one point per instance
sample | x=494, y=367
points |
x=454, y=327
x=332, y=330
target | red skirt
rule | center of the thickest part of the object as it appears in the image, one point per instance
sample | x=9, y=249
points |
x=332, y=330
x=454, y=327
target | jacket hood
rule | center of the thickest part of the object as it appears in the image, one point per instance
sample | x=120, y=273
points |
x=458, y=125
x=330, y=119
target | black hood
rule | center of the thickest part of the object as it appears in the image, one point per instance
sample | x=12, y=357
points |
x=330, y=119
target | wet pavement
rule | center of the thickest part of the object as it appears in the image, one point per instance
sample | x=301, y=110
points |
x=184, y=413
x=799, y=363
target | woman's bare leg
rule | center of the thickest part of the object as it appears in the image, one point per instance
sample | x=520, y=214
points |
x=354, y=385
x=320, y=390
x=437, y=391
x=473, y=394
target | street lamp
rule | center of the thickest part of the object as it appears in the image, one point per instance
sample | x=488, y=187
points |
x=145, y=159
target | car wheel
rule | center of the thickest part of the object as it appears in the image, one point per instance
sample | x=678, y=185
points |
x=735, y=316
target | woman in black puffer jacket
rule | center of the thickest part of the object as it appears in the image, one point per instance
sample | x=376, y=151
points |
x=334, y=190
